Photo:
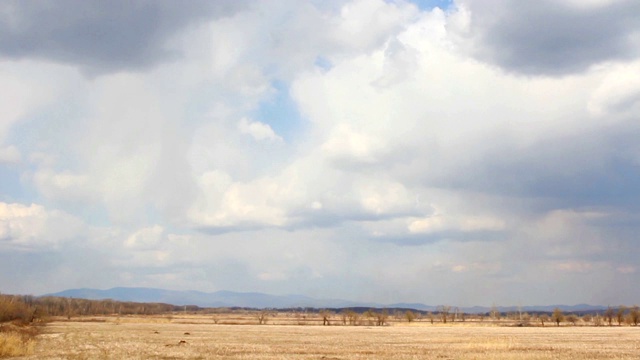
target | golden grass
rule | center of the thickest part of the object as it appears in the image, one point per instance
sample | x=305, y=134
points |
x=15, y=344
x=197, y=337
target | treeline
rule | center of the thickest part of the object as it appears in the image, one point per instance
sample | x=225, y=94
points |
x=28, y=309
x=619, y=316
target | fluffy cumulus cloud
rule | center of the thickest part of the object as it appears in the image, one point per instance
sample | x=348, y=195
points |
x=257, y=130
x=357, y=149
x=32, y=227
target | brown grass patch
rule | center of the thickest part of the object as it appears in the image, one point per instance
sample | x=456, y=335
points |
x=16, y=340
x=147, y=339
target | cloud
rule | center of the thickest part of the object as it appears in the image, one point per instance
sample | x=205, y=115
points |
x=99, y=37
x=352, y=146
x=365, y=24
x=240, y=204
x=10, y=154
x=20, y=96
x=414, y=150
x=34, y=228
x=575, y=267
x=301, y=195
x=618, y=94
x=626, y=269
x=439, y=223
x=552, y=38
x=146, y=238
x=257, y=130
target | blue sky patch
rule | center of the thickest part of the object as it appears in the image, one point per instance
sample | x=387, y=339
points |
x=11, y=187
x=430, y=4
x=280, y=112
x=323, y=63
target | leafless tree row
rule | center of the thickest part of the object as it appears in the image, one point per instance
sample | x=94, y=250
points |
x=28, y=308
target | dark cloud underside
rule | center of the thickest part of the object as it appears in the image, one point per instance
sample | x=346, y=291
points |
x=551, y=38
x=100, y=36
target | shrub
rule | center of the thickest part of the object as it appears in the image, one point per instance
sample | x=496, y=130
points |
x=15, y=308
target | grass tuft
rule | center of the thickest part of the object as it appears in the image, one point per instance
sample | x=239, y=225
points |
x=15, y=344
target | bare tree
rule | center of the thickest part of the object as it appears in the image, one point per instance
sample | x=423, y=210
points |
x=262, y=317
x=597, y=320
x=620, y=314
x=495, y=313
x=572, y=318
x=431, y=317
x=634, y=315
x=455, y=314
x=543, y=318
x=608, y=315
x=370, y=316
x=326, y=317
x=444, y=312
x=71, y=311
x=352, y=317
x=410, y=316
x=557, y=316
x=344, y=317
x=381, y=317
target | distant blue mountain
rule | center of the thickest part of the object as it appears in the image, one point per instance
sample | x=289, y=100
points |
x=203, y=299
x=260, y=300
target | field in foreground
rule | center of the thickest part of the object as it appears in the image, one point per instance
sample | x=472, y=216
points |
x=145, y=338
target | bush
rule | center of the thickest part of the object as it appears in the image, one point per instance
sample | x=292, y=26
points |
x=14, y=308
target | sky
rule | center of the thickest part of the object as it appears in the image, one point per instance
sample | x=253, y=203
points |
x=466, y=152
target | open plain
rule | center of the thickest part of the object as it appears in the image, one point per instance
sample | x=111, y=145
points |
x=202, y=337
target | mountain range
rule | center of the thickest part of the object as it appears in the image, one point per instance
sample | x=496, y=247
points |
x=261, y=300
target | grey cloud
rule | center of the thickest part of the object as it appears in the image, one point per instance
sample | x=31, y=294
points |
x=445, y=235
x=626, y=103
x=326, y=219
x=550, y=38
x=596, y=167
x=308, y=219
x=100, y=36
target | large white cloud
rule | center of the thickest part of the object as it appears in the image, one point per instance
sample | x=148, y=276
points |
x=33, y=227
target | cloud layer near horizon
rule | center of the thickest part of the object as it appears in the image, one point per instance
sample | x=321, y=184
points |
x=388, y=151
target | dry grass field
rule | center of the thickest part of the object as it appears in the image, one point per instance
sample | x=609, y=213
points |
x=199, y=337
